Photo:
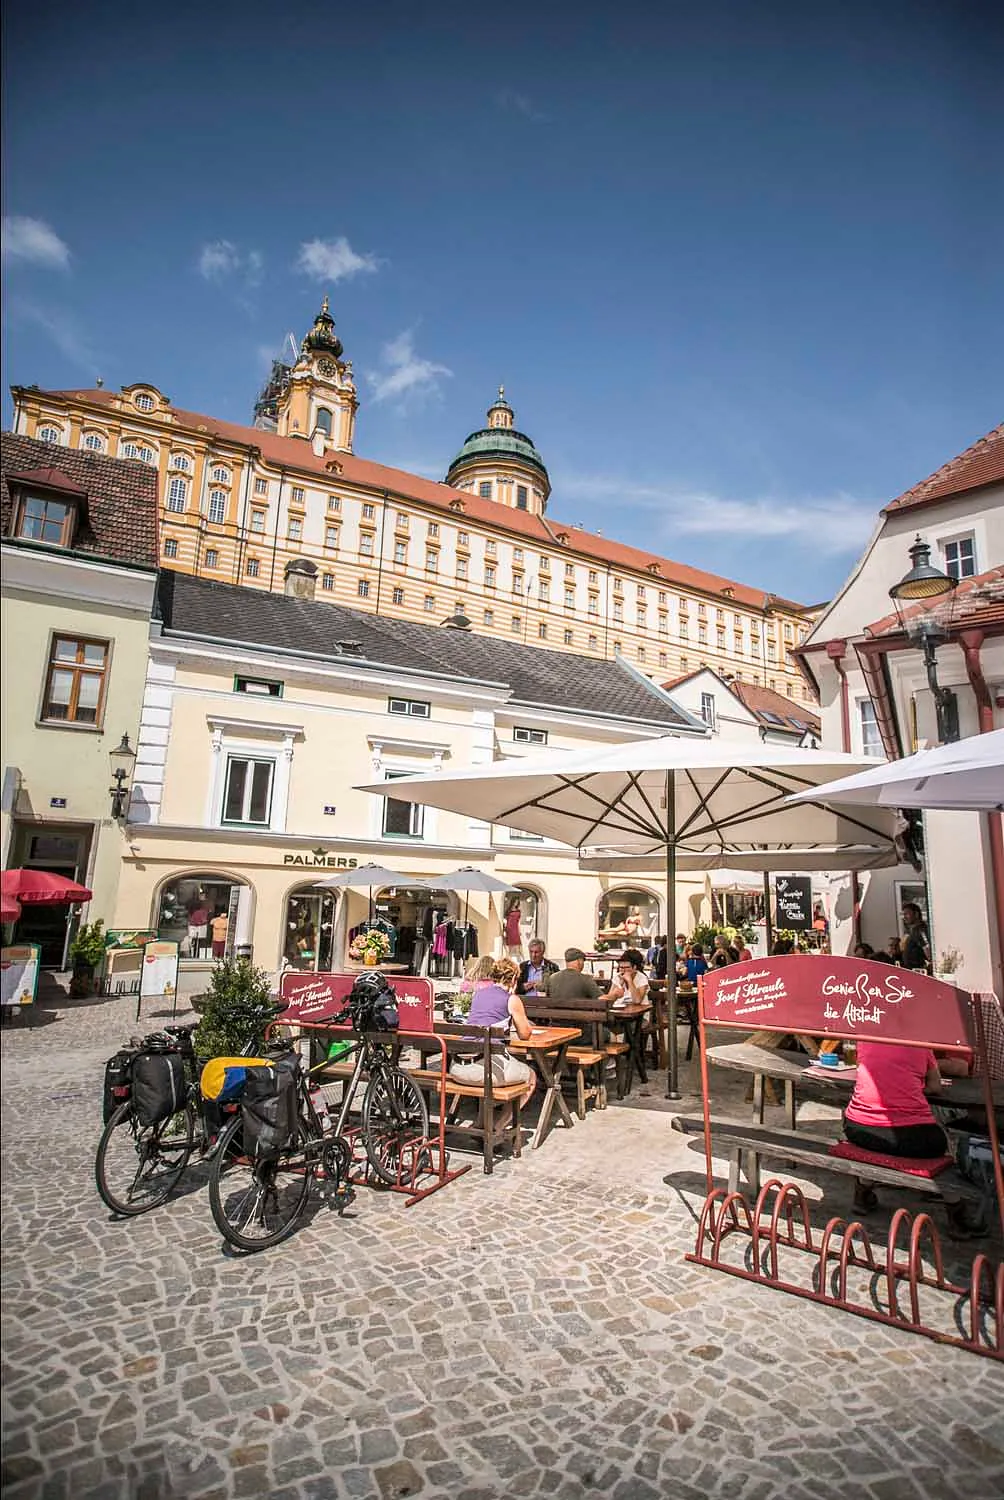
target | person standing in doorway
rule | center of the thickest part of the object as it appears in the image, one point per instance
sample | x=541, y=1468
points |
x=916, y=952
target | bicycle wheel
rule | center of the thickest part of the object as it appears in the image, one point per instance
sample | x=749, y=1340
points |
x=137, y=1166
x=394, y=1113
x=257, y=1204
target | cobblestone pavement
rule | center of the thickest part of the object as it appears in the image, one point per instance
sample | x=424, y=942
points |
x=533, y=1333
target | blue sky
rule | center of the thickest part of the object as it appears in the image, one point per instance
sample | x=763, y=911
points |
x=738, y=266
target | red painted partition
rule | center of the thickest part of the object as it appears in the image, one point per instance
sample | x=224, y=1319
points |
x=318, y=997
x=846, y=998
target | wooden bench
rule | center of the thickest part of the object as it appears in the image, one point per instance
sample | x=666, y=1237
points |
x=748, y=1143
x=591, y=1015
x=462, y=1042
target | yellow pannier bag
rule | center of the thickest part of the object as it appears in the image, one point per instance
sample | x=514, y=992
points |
x=223, y=1078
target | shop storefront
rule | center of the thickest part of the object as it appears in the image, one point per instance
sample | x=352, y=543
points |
x=202, y=912
x=308, y=943
x=60, y=850
x=628, y=915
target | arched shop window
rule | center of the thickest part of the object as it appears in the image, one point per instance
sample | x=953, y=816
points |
x=308, y=930
x=189, y=906
x=628, y=917
x=525, y=918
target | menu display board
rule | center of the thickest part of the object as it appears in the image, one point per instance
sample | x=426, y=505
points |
x=846, y=998
x=19, y=974
x=159, y=971
x=793, y=901
x=319, y=997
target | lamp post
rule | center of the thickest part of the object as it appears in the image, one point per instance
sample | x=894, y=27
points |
x=122, y=759
x=922, y=583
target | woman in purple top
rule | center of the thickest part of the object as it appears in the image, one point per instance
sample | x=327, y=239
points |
x=497, y=1005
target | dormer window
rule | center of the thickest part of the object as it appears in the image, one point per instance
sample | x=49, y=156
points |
x=653, y=567
x=42, y=520
x=144, y=401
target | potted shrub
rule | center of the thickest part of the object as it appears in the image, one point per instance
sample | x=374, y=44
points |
x=86, y=953
x=236, y=990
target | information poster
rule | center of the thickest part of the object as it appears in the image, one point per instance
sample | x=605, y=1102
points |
x=793, y=901
x=159, y=971
x=318, y=997
x=19, y=974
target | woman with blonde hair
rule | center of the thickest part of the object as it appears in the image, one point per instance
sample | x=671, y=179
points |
x=497, y=1005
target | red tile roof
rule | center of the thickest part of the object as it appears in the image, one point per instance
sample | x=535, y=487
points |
x=976, y=602
x=296, y=453
x=981, y=464
x=759, y=700
x=120, y=520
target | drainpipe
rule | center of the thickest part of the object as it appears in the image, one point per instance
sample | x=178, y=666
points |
x=275, y=533
x=836, y=651
x=971, y=642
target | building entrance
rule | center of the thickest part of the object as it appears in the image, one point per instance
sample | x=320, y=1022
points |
x=60, y=851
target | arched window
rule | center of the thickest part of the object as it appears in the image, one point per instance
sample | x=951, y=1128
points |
x=177, y=493
x=189, y=909
x=627, y=917
x=217, y=506
x=525, y=918
x=94, y=441
x=49, y=435
x=181, y=461
x=222, y=476
x=308, y=930
x=323, y=420
x=144, y=402
x=138, y=450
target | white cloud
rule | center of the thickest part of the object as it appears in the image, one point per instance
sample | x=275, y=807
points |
x=834, y=524
x=517, y=103
x=223, y=261
x=333, y=260
x=34, y=242
x=406, y=373
x=64, y=331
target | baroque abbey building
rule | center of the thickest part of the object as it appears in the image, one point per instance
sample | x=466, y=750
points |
x=286, y=505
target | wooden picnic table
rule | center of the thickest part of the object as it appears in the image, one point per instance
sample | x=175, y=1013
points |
x=795, y=1069
x=548, y=1045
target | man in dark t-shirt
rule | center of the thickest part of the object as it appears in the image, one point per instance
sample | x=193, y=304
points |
x=914, y=954
x=570, y=984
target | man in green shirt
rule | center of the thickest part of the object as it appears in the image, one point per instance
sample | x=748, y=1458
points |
x=570, y=984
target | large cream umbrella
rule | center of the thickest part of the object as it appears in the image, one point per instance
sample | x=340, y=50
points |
x=703, y=797
x=964, y=776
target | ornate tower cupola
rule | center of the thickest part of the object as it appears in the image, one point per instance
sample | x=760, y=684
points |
x=319, y=402
x=499, y=463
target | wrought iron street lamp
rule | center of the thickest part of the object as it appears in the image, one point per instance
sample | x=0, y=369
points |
x=123, y=758
x=924, y=583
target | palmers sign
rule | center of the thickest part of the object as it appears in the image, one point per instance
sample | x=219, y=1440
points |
x=320, y=859
x=836, y=997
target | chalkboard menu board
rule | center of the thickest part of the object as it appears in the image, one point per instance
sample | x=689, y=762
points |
x=793, y=901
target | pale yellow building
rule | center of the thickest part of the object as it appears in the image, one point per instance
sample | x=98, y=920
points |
x=79, y=572
x=240, y=503
x=262, y=712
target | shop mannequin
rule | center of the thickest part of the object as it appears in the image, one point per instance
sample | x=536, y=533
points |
x=512, y=935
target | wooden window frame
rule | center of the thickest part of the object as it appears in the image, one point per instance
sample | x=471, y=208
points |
x=70, y=520
x=79, y=670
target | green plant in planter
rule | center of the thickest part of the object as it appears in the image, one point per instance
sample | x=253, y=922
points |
x=237, y=990
x=86, y=952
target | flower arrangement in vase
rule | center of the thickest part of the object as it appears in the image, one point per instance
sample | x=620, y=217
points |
x=370, y=947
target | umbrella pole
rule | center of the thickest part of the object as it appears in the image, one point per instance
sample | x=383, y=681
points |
x=768, y=929
x=672, y=1076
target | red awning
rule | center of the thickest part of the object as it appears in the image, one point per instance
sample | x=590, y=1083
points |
x=39, y=887
x=10, y=909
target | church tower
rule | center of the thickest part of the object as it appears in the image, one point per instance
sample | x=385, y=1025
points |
x=499, y=463
x=315, y=399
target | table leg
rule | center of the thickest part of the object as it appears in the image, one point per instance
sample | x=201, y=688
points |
x=758, y=1097
x=551, y=1073
x=789, y=1102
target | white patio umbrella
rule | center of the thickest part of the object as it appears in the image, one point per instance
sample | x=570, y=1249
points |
x=966, y=776
x=669, y=793
x=369, y=877
x=468, y=879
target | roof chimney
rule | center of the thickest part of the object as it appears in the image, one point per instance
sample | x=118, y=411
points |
x=300, y=577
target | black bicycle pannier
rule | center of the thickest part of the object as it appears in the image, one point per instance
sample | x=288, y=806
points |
x=372, y=1004
x=118, y=1082
x=269, y=1107
x=158, y=1086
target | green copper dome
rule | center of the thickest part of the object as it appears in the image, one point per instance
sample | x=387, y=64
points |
x=498, y=442
x=322, y=338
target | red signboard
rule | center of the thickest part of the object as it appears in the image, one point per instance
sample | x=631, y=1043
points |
x=845, y=998
x=319, y=997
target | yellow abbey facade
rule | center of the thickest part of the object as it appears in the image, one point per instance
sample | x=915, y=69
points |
x=286, y=505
